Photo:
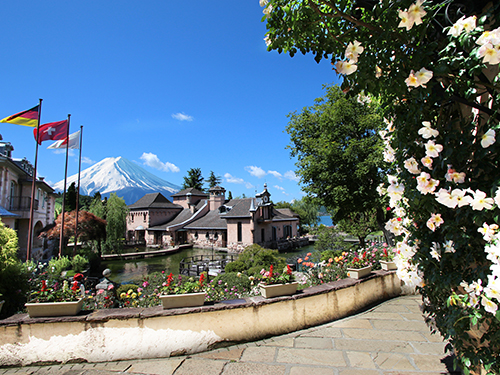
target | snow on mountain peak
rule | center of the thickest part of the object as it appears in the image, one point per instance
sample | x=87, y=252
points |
x=115, y=174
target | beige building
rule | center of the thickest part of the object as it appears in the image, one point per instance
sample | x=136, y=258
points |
x=209, y=220
x=16, y=177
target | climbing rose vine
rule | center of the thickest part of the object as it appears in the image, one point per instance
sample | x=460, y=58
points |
x=433, y=66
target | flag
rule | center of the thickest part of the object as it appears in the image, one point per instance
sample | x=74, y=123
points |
x=74, y=142
x=25, y=118
x=52, y=131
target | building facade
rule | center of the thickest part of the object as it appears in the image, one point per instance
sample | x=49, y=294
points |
x=16, y=178
x=209, y=220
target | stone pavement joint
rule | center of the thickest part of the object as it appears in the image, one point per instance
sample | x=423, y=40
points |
x=388, y=339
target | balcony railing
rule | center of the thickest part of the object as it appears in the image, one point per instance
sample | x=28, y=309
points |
x=22, y=204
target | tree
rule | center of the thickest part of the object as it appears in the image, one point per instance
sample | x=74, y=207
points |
x=213, y=180
x=97, y=207
x=13, y=275
x=360, y=225
x=116, y=215
x=339, y=155
x=230, y=195
x=305, y=208
x=70, y=198
x=194, y=179
x=433, y=66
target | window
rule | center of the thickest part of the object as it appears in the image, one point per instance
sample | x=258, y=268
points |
x=240, y=232
x=262, y=235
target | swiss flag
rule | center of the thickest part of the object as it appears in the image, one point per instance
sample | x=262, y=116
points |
x=52, y=131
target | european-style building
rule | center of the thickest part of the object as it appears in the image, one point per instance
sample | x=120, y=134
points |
x=209, y=220
x=16, y=177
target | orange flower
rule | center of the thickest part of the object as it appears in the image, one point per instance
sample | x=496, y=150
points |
x=299, y=260
x=330, y=260
x=306, y=258
x=309, y=254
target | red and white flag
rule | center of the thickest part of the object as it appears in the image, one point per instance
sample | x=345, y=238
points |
x=52, y=131
x=74, y=142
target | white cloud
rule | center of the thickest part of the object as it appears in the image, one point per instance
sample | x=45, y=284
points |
x=236, y=180
x=279, y=188
x=86, y=160
x=152, y=160
x=182, y=117
x=292, y=176
x=255, y=171
x=275, y=174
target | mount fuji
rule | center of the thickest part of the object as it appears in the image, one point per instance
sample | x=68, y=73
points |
x=121, y=176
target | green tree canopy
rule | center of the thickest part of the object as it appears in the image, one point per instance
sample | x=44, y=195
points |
x=213, y=180
x=194, y=179
x=339, y=154
x=70, y=198
x=116, y=216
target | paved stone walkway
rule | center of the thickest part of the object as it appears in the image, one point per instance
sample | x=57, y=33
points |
x=391, y=338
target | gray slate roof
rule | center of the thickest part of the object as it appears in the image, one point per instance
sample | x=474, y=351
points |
x=212, y=220
x=191, y=191
x=153, y=200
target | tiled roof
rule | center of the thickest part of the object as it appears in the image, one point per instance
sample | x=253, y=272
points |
x=282, y=214
x=153, y=200
x=286, y=212
x=5, y=213
x=212, y=220
x=181, y=217
x=240, y=207
x=191, y=191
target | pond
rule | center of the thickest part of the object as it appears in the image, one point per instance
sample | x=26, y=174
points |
x=133, y=270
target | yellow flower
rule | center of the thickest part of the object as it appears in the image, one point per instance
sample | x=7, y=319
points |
x=134, y=295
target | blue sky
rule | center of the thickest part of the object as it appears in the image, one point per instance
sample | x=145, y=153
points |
x=170, y=85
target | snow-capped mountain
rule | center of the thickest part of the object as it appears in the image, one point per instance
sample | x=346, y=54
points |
x=121, y=176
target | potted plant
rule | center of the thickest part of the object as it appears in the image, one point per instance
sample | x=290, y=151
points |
x=184, y=293
x=58, y=300
x=387, y=260
x=275, y=284
x=359, y=266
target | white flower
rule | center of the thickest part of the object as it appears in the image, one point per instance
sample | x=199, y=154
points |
x=488, y=231
x=434, y=222
x=489, y=305
x=346, y=67
x=492, y=37
x=412, y=166
x=432, y=149
x=406, y=21
x=480, y=201
x=488, y=138
x=427, y=161
x=353, y=50
x=468, y=24
x=424, y=76
x=426, y=131
x=452, y=175
x=489, y=53
x=416, y=12
x=425, y=184
x=449, y=247
x=434, y=252
x=389, y=154
x=444, y=197
x=497, y=197
x=263, y=3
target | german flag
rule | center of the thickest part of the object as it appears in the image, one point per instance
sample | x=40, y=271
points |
x=25, y=118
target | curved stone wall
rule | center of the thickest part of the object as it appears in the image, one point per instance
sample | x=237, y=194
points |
x=128, y=333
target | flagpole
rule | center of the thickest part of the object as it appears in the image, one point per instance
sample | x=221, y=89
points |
x=61, y=236
x=32, y=206
x=78, y=189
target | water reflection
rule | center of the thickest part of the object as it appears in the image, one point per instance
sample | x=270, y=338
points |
x=133, y=271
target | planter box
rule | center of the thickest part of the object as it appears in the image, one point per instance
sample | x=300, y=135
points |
x=171, y=301
x=276, y=290
x=54, y=308
x=358, y=273
x=388, y=265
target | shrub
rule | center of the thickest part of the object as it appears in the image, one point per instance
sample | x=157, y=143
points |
x=58, y=265
x=79, y=263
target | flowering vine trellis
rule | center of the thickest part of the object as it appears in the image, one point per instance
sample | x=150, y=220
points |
x=434, y=67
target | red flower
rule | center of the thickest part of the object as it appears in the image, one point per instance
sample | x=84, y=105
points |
x=44, y=286
x=288, y=270
x=74, y=288
x=202, y=278
x=169, y=279
x=271, y=271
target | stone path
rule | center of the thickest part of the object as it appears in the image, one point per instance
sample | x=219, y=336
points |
x=391, y=338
